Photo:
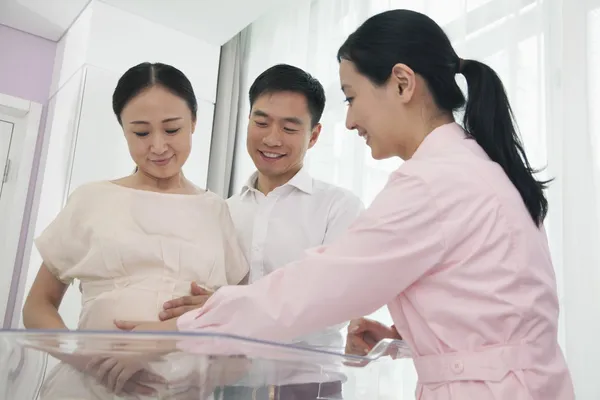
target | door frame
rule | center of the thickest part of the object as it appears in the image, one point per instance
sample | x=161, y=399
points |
x=26, y=115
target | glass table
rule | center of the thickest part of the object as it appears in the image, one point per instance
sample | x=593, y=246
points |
x=49, y=365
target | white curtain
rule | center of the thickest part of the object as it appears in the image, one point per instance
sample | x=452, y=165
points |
x=546, y=52
x=227, y=115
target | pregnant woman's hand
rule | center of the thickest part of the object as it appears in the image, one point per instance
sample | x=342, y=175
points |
x=124, y=375
x=118, y=376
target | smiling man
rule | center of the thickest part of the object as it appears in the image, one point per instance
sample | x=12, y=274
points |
x=282, y=211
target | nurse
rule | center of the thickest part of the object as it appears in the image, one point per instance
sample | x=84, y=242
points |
x=454, y=244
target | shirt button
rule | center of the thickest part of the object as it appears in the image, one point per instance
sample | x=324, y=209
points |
x=458, y=367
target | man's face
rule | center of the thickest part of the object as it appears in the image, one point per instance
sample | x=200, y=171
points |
x=280, y=132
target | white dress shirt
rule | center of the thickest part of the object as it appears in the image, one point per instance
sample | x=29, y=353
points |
x=276, y=229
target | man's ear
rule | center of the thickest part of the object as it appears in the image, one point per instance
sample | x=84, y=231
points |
x=314, y=135
x=193, y=126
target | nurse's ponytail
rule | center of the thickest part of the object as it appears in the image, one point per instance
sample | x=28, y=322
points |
x=489, y=120
x=414, y=39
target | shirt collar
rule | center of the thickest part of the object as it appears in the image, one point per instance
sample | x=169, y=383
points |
x=439, y=139
x=301, y=181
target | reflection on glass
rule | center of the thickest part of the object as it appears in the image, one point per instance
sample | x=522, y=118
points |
x=187, y=366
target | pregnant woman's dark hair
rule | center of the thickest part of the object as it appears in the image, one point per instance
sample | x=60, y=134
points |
x=147, y=75
x=411, y=38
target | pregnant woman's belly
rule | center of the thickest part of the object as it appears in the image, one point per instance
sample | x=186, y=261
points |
x=127, y=299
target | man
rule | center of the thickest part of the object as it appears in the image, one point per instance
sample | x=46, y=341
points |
x=282, y=211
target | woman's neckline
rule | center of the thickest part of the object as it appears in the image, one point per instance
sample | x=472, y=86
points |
x=201, y=192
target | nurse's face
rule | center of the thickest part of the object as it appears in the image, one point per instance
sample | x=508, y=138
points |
x=378, y=113
x=158, y=126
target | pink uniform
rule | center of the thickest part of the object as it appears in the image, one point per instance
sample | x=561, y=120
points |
x=449, y=246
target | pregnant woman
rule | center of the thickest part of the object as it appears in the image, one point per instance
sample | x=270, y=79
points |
x=136, y=242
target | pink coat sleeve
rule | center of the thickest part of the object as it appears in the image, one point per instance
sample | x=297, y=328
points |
x=391, y=245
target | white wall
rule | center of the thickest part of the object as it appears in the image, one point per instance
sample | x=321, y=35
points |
x=82, y=132
x=59, y=138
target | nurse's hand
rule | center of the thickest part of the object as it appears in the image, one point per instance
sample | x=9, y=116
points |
x=177, y=307
x=364, y=334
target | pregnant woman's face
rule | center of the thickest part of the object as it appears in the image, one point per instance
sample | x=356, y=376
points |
x=158, y=126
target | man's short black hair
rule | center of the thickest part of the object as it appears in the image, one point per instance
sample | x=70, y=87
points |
x=287, y=78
